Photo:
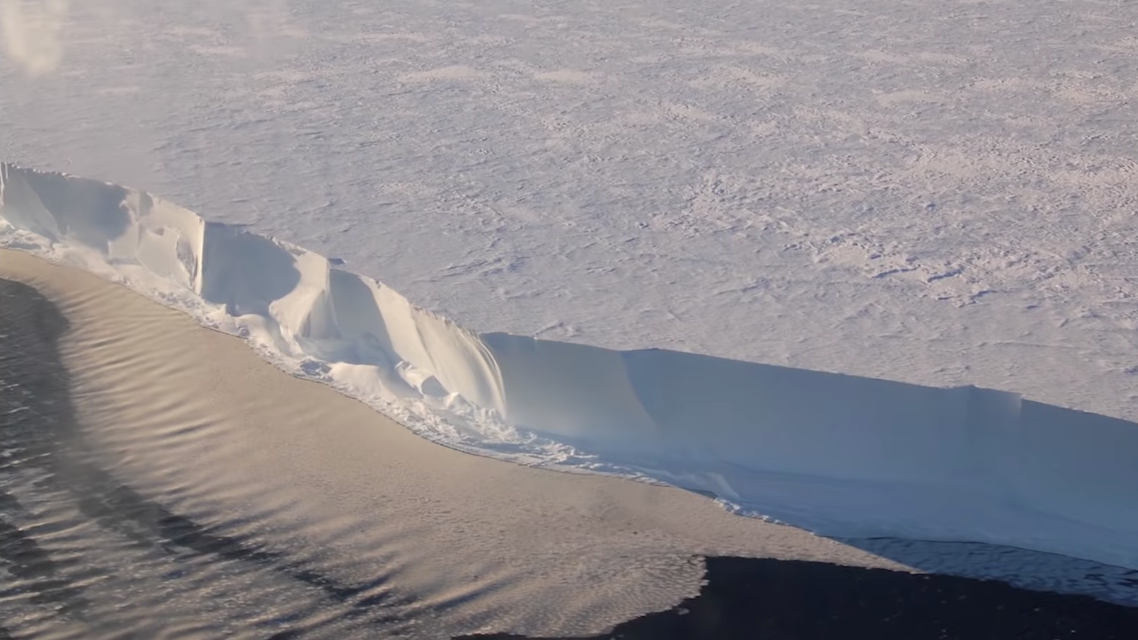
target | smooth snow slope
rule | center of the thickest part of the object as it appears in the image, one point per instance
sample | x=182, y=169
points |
x=837, y=454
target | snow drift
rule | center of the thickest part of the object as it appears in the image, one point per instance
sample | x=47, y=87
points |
x=837, y=454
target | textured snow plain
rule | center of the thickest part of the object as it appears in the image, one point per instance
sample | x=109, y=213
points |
x=938, y=194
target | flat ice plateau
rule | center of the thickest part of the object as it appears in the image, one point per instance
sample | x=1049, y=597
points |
x=837, y=454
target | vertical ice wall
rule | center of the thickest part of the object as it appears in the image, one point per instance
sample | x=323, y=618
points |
x=837, y=454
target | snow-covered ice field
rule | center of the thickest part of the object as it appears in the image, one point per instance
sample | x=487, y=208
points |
x=938, y=194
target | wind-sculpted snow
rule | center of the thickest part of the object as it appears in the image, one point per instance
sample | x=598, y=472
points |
x=837, y=454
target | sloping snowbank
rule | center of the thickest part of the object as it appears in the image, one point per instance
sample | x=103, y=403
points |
x=836, y=454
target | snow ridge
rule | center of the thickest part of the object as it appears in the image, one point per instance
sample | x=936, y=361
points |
x=836, y=454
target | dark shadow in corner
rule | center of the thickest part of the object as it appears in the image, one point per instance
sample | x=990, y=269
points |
x=768, y=599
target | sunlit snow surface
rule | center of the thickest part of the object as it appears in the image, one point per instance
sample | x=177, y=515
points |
x=932, y=193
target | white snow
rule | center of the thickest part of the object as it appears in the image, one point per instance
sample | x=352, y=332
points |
x=837, y=454
x=936, y=193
